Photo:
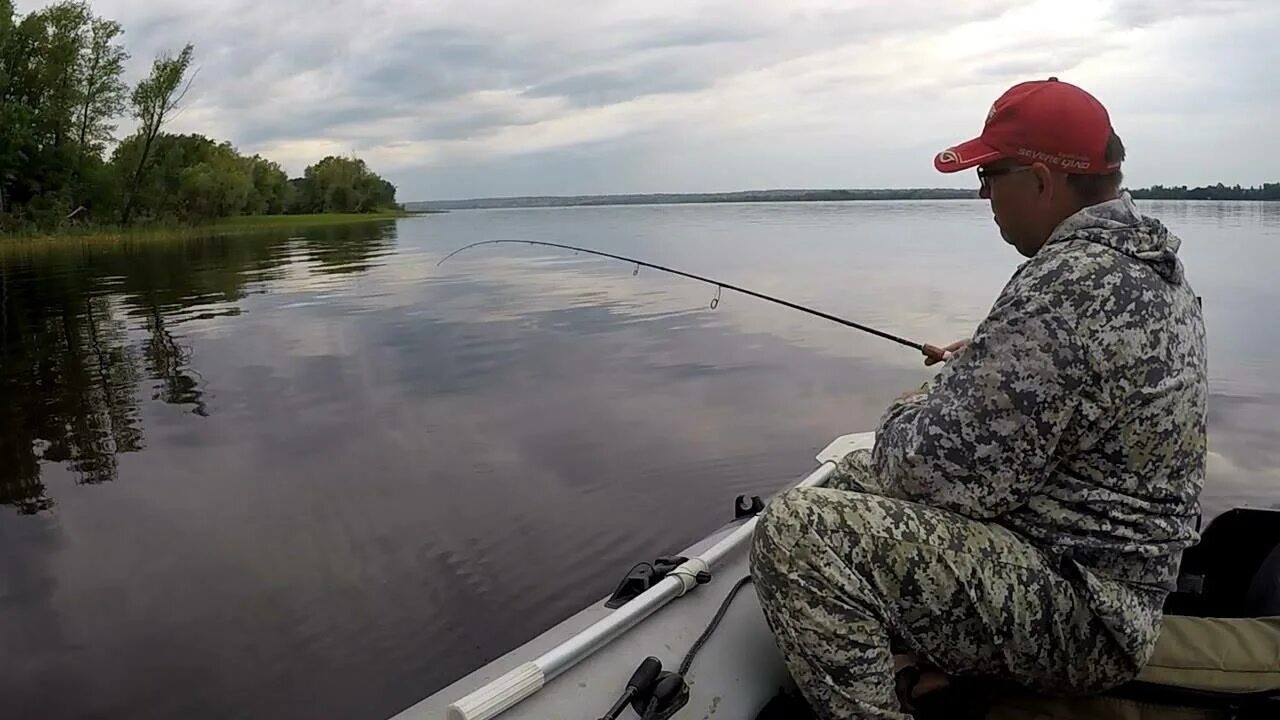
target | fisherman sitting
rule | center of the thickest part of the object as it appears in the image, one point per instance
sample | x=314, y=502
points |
x=1022, y=516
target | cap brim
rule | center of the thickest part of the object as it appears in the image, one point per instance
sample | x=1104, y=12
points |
x=965, y=155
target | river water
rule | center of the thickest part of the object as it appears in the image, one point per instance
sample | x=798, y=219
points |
x=311, y=474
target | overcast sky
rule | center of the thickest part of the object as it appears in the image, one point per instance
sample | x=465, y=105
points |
x=467, y=98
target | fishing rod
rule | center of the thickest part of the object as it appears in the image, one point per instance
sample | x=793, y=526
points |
x=930, y=351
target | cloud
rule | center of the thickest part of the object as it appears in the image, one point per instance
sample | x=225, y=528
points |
x=603, y=87
x=455, y=98
x=1144, y=13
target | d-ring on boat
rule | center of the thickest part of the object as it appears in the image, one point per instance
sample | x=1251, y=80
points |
x=695, y=618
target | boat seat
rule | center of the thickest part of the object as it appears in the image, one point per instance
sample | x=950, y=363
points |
x=1205, y=666
x=1240, y=655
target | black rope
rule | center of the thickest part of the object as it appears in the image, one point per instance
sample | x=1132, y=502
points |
x=706, y=634
x=785, y=303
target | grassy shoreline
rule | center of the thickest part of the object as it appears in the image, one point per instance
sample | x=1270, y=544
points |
x=257, y=221
x=244, y=223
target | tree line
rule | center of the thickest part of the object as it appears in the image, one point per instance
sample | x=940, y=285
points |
x=62, y=94
x=1266, y=191
x=742, y=196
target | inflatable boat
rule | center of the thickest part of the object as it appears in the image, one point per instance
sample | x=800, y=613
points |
x=683, y=636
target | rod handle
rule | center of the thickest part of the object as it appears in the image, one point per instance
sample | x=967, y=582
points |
x=500, y=695
x=933, y=354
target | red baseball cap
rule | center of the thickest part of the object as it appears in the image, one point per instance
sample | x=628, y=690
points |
x=1046, y=121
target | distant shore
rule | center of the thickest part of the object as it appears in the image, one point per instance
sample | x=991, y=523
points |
x=1268, y=191
x=720, y=197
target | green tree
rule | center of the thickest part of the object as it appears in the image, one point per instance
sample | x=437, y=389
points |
x=60, y=87
x=38, y=56
x=189, y=178
x=102, y=92
x=270, y=187
x=98, y=190
x=215, y=187
x=154, y=100
x=343, y=185
x=60, y=33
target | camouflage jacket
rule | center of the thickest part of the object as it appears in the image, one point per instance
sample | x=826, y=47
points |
x=1076, y=416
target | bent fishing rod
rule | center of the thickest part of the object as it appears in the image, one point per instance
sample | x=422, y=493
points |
x=930, y=351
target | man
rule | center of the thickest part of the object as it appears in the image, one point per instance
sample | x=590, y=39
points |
x=1022, y=517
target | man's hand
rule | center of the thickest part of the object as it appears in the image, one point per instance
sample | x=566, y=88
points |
x=947, y=352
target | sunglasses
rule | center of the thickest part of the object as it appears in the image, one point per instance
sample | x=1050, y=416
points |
x=985, y=174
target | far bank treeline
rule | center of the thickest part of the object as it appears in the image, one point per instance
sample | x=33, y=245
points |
x=1266, y=191
x=61, y=95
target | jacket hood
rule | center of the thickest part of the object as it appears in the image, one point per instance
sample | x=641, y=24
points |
x=1117, y=224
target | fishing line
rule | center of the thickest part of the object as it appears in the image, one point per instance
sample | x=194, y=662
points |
x=930, y=351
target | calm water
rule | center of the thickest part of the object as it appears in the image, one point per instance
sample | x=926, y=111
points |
x=317, y=476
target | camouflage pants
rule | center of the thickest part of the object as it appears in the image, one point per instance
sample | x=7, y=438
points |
x=843, y=573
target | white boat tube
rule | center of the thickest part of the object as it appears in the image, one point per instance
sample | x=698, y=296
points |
x=507, y=691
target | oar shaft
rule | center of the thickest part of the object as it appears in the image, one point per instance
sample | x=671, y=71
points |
x=526, y=679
